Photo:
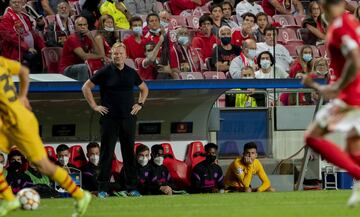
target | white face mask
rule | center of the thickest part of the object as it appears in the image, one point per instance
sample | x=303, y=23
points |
x=64, y=160
x=143, y=161
x=109, y=29
x=159, y=160
x=265, y=64
x=94, y=159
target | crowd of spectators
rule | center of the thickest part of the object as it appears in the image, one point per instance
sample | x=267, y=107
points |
x=165, y=38
x=153, y=175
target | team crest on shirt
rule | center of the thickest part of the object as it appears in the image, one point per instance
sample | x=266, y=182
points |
x=239, y=171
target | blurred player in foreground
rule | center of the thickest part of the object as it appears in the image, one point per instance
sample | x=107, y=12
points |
x=18, y=126
x=343, y=111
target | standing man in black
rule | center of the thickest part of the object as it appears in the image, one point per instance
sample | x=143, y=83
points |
x=118, y=115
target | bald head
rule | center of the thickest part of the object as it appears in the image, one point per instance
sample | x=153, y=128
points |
x=249, y=44
x=81, y=25
x=249, y=48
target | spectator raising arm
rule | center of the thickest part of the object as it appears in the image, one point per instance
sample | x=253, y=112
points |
x=278, y=7
x=299, y=7
x=46, y=6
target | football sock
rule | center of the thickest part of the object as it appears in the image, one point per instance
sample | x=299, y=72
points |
x=5, y=189
x=334, y=155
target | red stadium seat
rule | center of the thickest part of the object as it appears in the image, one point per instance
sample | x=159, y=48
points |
x=168, y=152
x=194, y=154
x=314, y=50
x=191, y=76
x=77, y=156
x=288, y=36
x=94, y=65
x=116, y=167
x=292, y=49
x=299, y=19
x=179, y=173
x=176, y=21
x=285, y=20
x=214, y=75
x=322, y=50
x=138, y=62
x=51, y=152
x=137, y=145
x=51, y=59
x=193, y=22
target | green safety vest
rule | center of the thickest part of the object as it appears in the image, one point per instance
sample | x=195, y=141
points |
x=43, y=180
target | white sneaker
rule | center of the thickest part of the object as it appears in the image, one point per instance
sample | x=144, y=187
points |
x=355, y=196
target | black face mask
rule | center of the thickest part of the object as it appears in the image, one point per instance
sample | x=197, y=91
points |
x=210, y=158
x=15, y=165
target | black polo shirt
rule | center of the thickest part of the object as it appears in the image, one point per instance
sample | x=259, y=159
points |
x=117, y=89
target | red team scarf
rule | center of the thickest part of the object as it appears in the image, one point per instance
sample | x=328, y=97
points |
x=20, y=25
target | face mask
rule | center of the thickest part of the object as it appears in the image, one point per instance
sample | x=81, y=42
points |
x=137, y=30
x=247, y=77
x=94, y=159
x=210, y=158
x=265, y=64
x=15, y=165
x=64, y=160
x=109, y=29
x=164, y=24
x=143, y=161
x=225, y=40
x=252, y=53
x=183, y=40
x=321, y=72
x=159, y=161
x=307, y=57
x=155, y=31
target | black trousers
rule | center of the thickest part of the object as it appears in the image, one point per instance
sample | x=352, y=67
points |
x=111, y=130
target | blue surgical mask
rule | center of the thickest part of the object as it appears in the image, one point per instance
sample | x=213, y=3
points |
x=137, y=30
x=164, y=24
x=183, y=40
x=265, y=64
x=155, y=31
x=225, y=40
x=252, y=53
x=307, y=57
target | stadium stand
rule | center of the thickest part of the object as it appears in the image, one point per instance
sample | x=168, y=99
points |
x=168, y=151
x=51, y=152
x=77, y=156
x=51, y=59
x=214, y=75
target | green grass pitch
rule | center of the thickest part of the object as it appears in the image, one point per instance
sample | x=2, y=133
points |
x=277, y=204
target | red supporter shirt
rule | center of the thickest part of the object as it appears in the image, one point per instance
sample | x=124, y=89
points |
x=237, y=38
x=147, y=73
x=204, y=45
x=342, y=37
x=269, y=8
x=177, y=6
x=69, y=57
x=133, y=48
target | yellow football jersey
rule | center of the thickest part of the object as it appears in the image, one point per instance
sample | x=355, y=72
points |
x=8, y=99
x=239, y=175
